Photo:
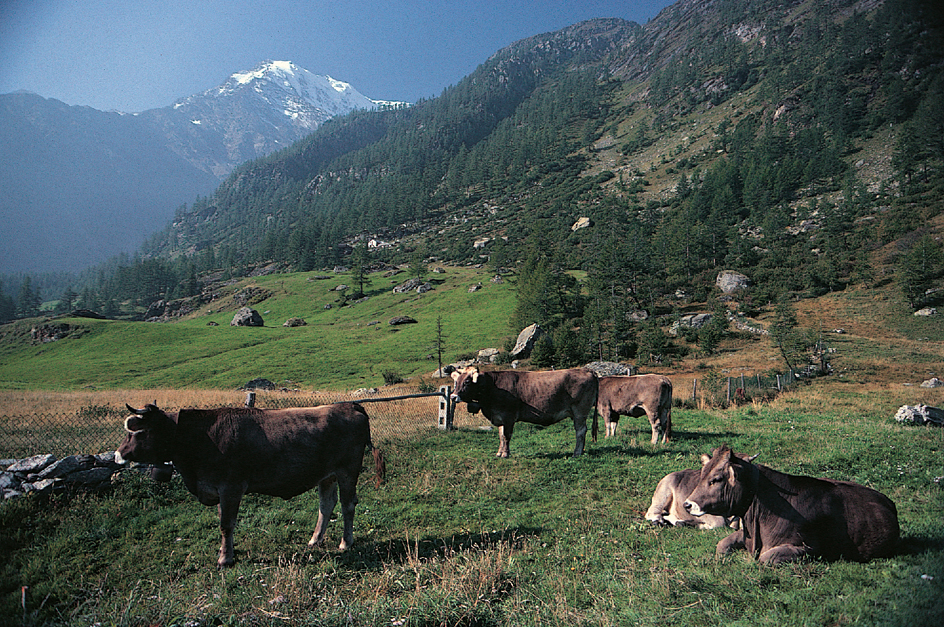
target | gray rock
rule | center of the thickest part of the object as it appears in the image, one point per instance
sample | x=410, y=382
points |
x=920, y=415
x=397, y=320
x=61, y=468
x=31, y=465
x=609, y=368
x=90, y=477
x=526, y=341
x=933, y=382
x=729, y=281
x=927, y=311
x=247, y=317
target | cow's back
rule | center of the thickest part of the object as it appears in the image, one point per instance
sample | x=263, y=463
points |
x=627, y=394
x=550, y=392
x=280, y=452
x=838, y=519
x=871, y=522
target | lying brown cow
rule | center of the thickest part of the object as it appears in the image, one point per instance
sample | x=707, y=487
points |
x=668, y=500
x=222, y=454
x=544, y=398
x=649, y=394
x=786, y=517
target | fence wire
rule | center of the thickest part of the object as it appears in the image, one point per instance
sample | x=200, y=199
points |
x=99, y=429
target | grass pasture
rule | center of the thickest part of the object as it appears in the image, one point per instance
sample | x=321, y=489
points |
x=458, y=537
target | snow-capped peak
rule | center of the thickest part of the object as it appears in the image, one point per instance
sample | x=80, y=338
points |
x=321, y=91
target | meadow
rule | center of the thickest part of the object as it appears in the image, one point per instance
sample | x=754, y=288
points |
x=458, y=537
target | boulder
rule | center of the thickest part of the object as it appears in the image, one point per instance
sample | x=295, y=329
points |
x=920, y=415
x=408, y=286
x=729, y=281
x=488, y=355
x=609, y=368
x=526, y=341
x=581, y=223
x=927, y=311
x=247, y=317
x=933, y=382
x=397, y=320
x=259, y=384
x=294, y=322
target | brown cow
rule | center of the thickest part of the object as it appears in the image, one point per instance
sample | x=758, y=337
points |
x=649, y=394
x=786, y=517
x=543, y=398
x=222, y=454
x=668, y=500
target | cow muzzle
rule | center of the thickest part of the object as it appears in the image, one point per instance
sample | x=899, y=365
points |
x=693, y=508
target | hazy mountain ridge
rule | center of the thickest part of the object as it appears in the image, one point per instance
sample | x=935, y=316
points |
x=82, y=185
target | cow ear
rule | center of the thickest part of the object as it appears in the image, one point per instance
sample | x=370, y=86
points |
x=455, y=375
x=475, y=377
x=705, y=459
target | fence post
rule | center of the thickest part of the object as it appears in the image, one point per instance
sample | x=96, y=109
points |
x=694, y=388
x=779, y=387
x=445, y=408
x=729, y=390
x=250, y=399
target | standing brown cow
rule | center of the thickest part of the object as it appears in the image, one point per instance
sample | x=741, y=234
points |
x=222, y=454
x=785, y=517
x=649, y=394
x=543, y=398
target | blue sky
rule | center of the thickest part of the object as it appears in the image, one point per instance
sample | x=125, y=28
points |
x=132, y=55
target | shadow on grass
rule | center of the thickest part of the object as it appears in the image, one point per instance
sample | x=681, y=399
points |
x=372, y=555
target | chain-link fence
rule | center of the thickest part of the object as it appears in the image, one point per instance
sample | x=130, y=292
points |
x=96, y=429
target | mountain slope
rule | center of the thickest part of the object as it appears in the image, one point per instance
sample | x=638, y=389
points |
x=82, y=185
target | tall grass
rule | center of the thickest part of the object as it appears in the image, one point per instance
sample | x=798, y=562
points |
x=458, y=537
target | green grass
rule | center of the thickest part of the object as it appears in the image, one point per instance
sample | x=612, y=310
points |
x=339, y=348
x=458, y=537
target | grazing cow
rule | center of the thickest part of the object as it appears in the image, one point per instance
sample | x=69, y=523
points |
x=786, y=517
x=649, y=394
x=222, y=454
x=668, y=499
x=543, y=398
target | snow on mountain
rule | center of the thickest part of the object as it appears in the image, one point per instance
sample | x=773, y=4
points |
x=257, y=112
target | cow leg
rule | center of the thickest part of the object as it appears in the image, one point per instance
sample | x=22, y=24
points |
x=580, y=431
x=730, y=543
x=611, y=421
x=505, y=432
x=347, y=486
x=661, y=502
x=327, y=499
x=229, y=510
x=782, y=553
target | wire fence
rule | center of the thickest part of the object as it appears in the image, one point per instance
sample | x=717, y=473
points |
x=97, y=429
x=94, y=429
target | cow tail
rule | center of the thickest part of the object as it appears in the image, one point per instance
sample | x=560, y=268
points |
x=593, y=429
x=380, y=465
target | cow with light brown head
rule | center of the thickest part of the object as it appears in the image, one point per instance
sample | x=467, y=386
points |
x=787, y=517
x=506, y=397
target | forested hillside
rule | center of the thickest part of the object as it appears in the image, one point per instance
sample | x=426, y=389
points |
x=789, y=141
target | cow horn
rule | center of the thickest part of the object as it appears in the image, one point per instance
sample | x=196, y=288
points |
x=138, y=412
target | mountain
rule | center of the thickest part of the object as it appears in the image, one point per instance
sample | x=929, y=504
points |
x=253, y=114
x=82, y=185
x=786, y=140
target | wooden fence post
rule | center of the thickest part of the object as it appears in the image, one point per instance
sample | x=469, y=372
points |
x=250, y=399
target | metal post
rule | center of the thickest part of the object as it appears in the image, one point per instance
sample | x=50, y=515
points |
x=445, y=408
x=250, y=399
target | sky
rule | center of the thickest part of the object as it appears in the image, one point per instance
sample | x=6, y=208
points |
x=133, y=55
